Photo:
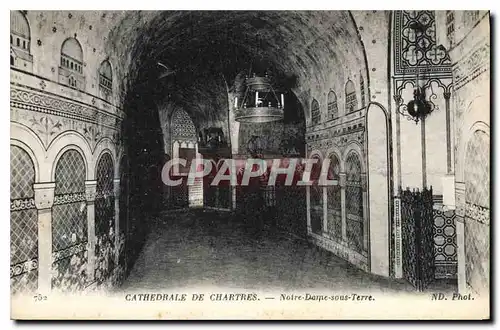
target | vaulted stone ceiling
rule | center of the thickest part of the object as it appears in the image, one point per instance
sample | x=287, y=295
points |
x=208, y=49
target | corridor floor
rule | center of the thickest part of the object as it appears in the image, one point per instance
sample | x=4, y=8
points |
x=209, y=249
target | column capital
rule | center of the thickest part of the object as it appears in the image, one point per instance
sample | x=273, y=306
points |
x=44, y=195
x=116, y=187
x=90, y=190
x=342, y=179
x=447, y=95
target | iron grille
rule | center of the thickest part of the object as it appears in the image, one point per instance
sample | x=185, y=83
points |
x=354, y=203
x=69, y=222
x=23, y=223
x=418, y=237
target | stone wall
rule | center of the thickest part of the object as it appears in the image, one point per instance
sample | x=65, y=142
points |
x=469, y=44
x=68, y=138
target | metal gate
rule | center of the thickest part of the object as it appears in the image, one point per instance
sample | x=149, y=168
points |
x=418, y=237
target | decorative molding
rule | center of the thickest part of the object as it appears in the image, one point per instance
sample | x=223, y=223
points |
x=408, y=58
x=22, y=204
x=69, y=198
x=339, y=138
x=23, y=267
x=49, y=104
x=479, y=213
x=104, y=194
x=471, y=66
x=47, y=127
x=68, y=252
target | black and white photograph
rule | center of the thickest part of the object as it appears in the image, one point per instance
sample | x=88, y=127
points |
x=250, y=164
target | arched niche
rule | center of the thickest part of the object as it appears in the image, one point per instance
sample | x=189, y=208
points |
x=378, y=190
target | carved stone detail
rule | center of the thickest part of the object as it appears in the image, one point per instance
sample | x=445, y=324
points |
x=478, y=213
x=90, y=190
x=342, y=180
x=52, y=104
x=22, y=204
x=44, y=195
x=471, y=66
x=47, y=127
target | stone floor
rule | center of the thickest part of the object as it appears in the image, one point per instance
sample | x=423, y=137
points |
x=198, y=249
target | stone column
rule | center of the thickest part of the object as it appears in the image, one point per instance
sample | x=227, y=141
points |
x=90, y=192
x=234, y=126
x=308, y=209
x=116, y=187
x=447, y=96
x=366, y=224
x=325, y=212
x=460, y=228
x=343, y=210
x=44, y=199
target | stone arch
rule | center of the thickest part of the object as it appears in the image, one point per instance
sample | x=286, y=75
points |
x=106, y=145
x=334, y=150
x=19, y=24
x=377, y=140
x=26, y=139
x=333, y=193
x=70, y=140
x=333, y=108
x=477, y=156
x=105, y=76
x=101, y=155
x=182, y=126
x=120, y=153
x=351, y=97
x=316, y=153
x=477, y=208
x=20, y=38
x=72, y=48
x=475, y=117
x=354, y=202
x=356, y=147
x=69, y=218
x=315, y=112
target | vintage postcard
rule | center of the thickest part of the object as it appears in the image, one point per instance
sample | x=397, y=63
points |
x=186, y=165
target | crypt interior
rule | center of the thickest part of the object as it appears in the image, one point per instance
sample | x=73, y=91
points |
x=399, y=101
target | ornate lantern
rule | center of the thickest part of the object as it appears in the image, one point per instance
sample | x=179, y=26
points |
x=260, y=103
x=420, y=107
